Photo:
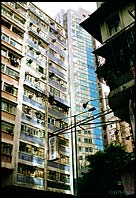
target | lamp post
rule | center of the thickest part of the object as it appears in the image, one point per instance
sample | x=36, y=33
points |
x=75, y=152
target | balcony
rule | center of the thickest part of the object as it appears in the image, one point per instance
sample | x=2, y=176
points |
x=57, y=85
x=7, y=136
x=56, y=113
x=59, y=166
x=56, y=71
x=61, y=52
x=23, y=4
x=56, y=60
x=119, y=55
x=35, y=160
x=38, y=48
x=33, y=139
x=44, y=39
x=113, y=76
x=61, y=102
x=7, y=116
x=39, y=61
x=119, y=70
x=35, y=87
x=30, y=180
x=42, y=17
x=33, y=103
x=55, y=184
x=119, y=100
x=18, y=7
x=36, y=122
x=52, y=127
x=64, y=149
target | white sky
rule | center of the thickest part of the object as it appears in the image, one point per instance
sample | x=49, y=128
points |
x=51, y=8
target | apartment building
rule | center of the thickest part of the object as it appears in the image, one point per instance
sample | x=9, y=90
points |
x=114, y=129
x=34, y=97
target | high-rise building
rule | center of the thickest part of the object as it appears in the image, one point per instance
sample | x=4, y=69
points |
x=87, y=137
x=34, y=97
x=115, y=130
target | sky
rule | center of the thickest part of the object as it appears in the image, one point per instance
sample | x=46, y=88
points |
x=51, y=8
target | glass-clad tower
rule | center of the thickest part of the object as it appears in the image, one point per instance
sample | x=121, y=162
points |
x=87, y=136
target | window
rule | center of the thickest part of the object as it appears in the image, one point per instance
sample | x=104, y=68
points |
x=79, y=139
x=88, y=149
x=4, y=37
x=17, y=31
x=51, y=175
x=6, y=24
x=8, y=107
x=19, y=19
x=7, y=12
x=15, y=44
x=64, y=178
x=6, y=148
x=41, y=70
x=4, y=52
x=2, y=67
x=7, y=127
x=114, y=24
x=52, y=90
x=11, y=72
x=31, y=131
x=14, y=59
x=10, y=89
x=87, y=140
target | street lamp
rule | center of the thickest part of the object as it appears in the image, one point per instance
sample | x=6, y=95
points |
x=85, y=104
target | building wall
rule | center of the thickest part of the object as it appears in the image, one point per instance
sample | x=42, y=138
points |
x=125, y=20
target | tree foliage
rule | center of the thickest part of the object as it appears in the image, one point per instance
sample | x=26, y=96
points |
x=104, y=170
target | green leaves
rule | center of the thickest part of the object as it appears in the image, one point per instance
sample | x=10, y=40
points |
x=104, y=170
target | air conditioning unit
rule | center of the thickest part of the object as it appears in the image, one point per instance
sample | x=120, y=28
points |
x=36, y=79
x=43, y=77
x=51, y=75
x=30, y=96
x=38, y=52
x=56, y=32
x=39, y=42
x=31, y=48
x=51, y=23
x=42, y=122
x=53, y=40
x=30, y=61
x=38, y=30
x=31, y=24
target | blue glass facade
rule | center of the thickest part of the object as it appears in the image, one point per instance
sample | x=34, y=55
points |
x=83, y=86
x=94, y=95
